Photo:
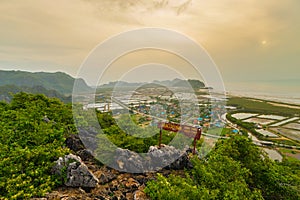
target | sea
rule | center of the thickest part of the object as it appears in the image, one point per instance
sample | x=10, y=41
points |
x=285, y=91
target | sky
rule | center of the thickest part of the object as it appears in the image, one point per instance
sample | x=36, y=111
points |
x=250, y=41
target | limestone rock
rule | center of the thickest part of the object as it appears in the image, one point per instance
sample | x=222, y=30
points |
x=170, y=157
x=74, y=172
x=127, y=160
x=167, y=157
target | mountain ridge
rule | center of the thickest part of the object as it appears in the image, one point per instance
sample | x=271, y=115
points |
x=195, y=84
x=59, y=81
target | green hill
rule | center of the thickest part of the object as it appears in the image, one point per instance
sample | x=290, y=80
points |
x=59, y=81
x=8, y=91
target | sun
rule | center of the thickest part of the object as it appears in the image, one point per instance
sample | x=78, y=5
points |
x=264, y=42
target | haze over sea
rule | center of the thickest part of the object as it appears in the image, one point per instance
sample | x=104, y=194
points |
x=287, y=91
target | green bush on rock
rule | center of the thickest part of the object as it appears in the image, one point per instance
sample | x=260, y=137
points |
x=235, y=169
x=30, y=145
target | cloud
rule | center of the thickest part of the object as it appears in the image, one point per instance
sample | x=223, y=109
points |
x=64, y=32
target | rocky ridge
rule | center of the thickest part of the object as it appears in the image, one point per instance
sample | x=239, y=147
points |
x=84, y=178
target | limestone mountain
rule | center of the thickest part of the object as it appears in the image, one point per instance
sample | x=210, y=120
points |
x=59, y=81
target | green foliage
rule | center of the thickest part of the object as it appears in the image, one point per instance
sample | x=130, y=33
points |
x=105, y=119
x=235, y=169
x=174, y=188
x=32, y=137
x=30, y=145
x=128, y=135
x=274, y=180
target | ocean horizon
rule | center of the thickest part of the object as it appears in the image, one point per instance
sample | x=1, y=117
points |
x=286, y=91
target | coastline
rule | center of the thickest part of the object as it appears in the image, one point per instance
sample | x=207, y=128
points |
x=285, y=99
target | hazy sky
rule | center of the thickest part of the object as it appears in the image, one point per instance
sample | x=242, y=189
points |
x=249, y=40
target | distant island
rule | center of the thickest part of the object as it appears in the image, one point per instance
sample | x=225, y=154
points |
x=195, y=84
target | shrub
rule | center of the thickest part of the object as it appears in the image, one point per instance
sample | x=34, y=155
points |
x=30, y=145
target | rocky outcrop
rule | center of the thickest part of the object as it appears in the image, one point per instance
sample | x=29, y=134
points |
x=166, y=157
x=105, y=183
x=74, y=172
x=129, y=161
x=122, y=187
x=113, y=185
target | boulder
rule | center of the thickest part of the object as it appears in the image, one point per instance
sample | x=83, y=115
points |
x=167, y=157
x=129, y=161
x=74, y=172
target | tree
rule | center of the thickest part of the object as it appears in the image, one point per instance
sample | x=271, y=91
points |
x=234, y=169
x=273, y=179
